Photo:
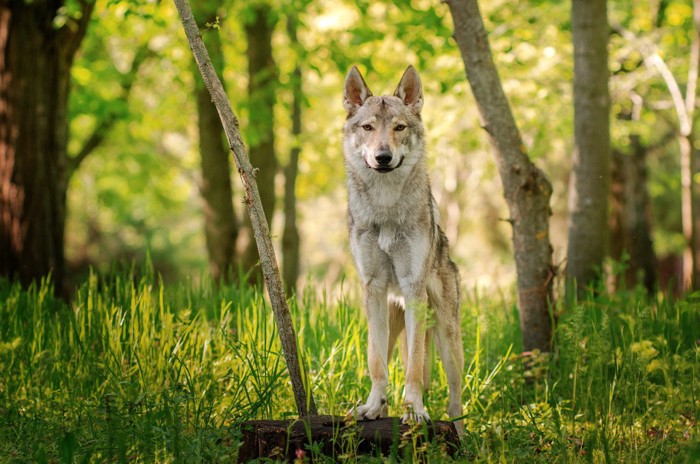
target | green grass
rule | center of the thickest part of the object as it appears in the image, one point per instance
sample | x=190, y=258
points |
x=133, y=371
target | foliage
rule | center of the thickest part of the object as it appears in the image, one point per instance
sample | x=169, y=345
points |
x=139, y=189
x=640, y=100
x=135, y=370
x=138, y=369
x=111, y=214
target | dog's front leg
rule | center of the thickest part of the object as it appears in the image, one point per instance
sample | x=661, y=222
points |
x=377, y=356
x=416, y=318
x=374, y=269
x=410, y=262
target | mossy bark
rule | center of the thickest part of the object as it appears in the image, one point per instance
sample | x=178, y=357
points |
x=526, y=189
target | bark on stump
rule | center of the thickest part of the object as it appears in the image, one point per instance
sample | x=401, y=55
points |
x=388, y=437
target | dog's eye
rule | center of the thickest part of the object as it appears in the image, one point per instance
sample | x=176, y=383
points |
x=367, y=127
x=399, y=128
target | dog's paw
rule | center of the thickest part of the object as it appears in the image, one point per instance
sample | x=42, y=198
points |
x=372, y=410
x=415, y=414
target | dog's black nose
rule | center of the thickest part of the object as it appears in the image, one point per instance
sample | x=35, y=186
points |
x=383, y=158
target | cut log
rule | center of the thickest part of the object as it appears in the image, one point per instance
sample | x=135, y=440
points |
x=335, y=437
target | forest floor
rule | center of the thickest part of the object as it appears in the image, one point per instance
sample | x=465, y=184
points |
x=134, y=371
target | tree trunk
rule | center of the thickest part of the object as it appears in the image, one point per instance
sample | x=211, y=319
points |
x=262, y=80
x=268, y=262
x=695, y=208
x=35, y=63
x=590, y=178
x=220, y=224
x=690, y=166
x=690, y=210
x=631, y=218
x=290, y=237
x=689, y=263
x=526, y=189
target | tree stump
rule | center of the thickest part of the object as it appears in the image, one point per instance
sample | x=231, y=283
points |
x=334, y=436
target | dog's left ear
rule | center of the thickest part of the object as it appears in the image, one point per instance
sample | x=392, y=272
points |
x=410, y=90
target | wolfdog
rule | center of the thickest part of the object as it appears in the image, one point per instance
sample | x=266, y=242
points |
x=410, y=284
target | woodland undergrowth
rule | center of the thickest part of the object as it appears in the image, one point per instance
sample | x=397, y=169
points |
x=133, y=370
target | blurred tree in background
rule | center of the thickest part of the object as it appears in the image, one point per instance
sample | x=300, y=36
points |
x=259, y=23
x=220, y=222
x=290, y=236
x=38, y=43
x=134, y=107
x=589, y=187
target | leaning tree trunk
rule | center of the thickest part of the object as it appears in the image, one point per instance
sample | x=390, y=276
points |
x=290, y=237
x=35, y=63
x=220, y=225
x=262, y=79
x=268, y=262
x=526, y=189
x=589, y=184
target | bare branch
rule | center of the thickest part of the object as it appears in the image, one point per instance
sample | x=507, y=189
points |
x=92, y=142
x=653, y=60
x=674, y=89
x=73, y=36
x=103, y=127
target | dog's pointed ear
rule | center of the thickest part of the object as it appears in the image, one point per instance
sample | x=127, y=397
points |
x=356, y=91
x=410, y=90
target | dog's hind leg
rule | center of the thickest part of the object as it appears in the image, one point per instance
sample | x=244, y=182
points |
x=448, y=338
x=449, y=343
x=397, y=324
x=427, y=362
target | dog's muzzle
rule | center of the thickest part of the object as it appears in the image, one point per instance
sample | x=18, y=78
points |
x=383, y=164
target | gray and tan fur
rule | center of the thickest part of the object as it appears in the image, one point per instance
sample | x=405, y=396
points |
x=401, y=254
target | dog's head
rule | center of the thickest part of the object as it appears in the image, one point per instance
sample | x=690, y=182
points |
x=381, y=133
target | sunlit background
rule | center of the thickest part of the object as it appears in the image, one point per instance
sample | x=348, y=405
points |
x=138, y=193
